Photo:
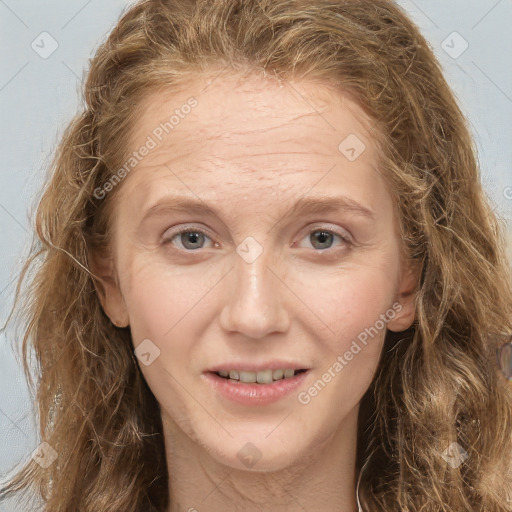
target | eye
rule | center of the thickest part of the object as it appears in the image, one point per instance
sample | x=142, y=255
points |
x=193, y=238
x=190, y=239
x=322, y=238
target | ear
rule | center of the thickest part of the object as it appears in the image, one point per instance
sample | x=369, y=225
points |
x=405, y=296
x=107, y=288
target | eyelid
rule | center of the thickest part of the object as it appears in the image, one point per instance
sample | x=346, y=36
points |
x=187, y=229
x=343, y=235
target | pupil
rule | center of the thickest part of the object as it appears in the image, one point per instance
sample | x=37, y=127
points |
x=322, y=236
x=192, y=238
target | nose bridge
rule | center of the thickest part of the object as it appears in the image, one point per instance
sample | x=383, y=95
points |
x=254, y=305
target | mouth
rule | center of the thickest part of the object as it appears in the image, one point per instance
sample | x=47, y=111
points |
x=255, y=388
x=259, y=377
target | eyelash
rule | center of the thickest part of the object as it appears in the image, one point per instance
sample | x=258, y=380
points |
x=316, y=229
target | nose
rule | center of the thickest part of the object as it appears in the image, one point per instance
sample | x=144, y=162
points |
x=255, y=298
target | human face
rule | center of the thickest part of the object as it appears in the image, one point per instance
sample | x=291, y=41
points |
x=258, y=286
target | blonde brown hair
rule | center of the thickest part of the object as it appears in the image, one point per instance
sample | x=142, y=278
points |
x=436, y=383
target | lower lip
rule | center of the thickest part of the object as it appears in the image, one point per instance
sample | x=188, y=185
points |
x=254, y=394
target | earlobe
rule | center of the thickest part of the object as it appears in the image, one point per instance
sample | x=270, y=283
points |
x=108, y=291
x=404, y=317
x=406, y=297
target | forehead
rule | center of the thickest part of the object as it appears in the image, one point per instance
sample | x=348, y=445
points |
x=235, y=110
x=247, y=132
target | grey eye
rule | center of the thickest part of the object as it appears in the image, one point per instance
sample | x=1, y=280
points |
x=321, y=239
x=192, y=238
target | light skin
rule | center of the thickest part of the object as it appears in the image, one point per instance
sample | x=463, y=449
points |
x=251, y=149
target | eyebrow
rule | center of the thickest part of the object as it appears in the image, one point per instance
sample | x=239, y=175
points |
x=305, y=205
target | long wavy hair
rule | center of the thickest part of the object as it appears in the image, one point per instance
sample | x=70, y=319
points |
x=437, y=383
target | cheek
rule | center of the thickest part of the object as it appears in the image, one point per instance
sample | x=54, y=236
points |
x=350, y=305
x=159, y=301
x=150, y=310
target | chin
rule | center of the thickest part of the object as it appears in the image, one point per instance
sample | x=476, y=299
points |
x=259, y=452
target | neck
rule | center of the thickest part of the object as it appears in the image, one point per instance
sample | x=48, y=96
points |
x=321, y=478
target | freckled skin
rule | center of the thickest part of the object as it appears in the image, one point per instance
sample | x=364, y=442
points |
x=252, y=148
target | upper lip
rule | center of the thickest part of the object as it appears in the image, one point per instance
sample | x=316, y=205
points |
x=258, y=367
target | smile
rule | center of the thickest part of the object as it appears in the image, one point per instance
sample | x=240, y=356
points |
x=247, y=390
x=260, y=377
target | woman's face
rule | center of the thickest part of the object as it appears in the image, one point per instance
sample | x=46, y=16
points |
x=268, y=277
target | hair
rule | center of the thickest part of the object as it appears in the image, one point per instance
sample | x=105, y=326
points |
x=436, y=383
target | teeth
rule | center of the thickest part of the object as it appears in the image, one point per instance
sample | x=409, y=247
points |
x=248, y=376
x=278, y=374
x=261, y=377
x=264, y=377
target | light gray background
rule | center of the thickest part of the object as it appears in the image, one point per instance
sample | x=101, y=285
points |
x=38, y=97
